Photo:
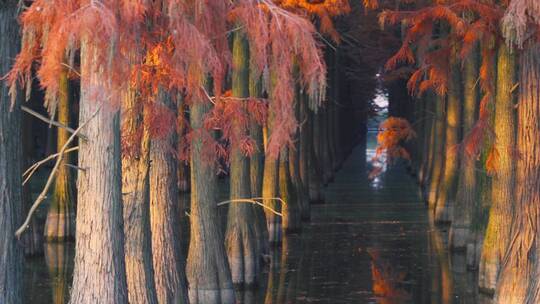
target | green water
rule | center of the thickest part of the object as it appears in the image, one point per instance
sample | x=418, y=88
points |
x=371, y=242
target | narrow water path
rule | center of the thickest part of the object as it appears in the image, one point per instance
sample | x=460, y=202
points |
x=371, y=242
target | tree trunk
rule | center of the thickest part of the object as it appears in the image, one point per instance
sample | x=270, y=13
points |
x=183, y=167
x=466, y=191
x=100, y=273
x=502, y=189
x=164, y=221
x=136, y=191
x=11, y=263
x=241, y=238
x=448, y=185
x=304, y=154
x=60, y=223
x=32, y=240
x=291, y=221
x=324, y=141
x=314, y=159
x=271, y=190
x=207, y=270
x=518, y=278
x=427, y=139
x=256, y=168
x=438, y=151
x=302, y=196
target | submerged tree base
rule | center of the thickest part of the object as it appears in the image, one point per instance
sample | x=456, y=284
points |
x=59, y=227
x=211, y=296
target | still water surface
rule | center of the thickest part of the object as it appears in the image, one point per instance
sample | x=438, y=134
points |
x=371, y=242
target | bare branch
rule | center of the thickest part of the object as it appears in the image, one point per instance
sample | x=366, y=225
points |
x=250, y=201
x=43, y=193
x=76, y=168
x=32, y=169
x=52, y=122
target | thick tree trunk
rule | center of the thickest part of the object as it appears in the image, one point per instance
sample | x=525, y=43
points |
x=256, y=168
x=270, y=190
x=60, y=223
x=448, y=185
x=100, y=273
x=291, y=221
x=207, y=270
x=241, y=238
x=502, y=189
x=164, y=221
x=438, y=151
x=10, y=165
x=466, y=191
x=427, y=140
x=136, y=191
x=518, y=278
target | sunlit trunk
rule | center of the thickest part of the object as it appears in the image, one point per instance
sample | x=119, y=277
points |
x=100, y=271
x=448, y=186
x=136, y=199
x=256, y=168
x=60, y=223
x=502, y=189
x=518, y=278
x=207, y=269
x=241, y=238
x=466, y=191
x=270, y=191
x=167, y=257
x=291, y=221
x=10, y=165
x=438, y=151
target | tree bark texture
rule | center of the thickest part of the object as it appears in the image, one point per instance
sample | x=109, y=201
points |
x=136, y=199
x=448, y=185
x=11, y=263
x=208, y=271
x=99, y=273
x=502, y=189
x=241, y=240
x=169, y=275
x=466, y=191
x=518, y=278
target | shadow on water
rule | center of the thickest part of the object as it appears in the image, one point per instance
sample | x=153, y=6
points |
x=371, y=242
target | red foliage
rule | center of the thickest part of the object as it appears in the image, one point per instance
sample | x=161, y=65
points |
x=179, y=47
x=393, y=132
